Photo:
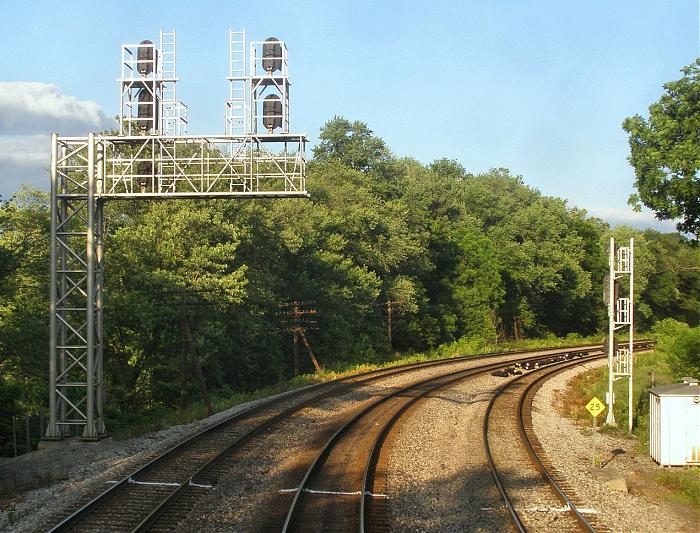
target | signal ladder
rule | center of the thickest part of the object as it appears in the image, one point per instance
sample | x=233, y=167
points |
x=236, y=106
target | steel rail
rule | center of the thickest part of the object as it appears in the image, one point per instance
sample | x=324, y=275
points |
x=517, y=522
x=524, y=408
x=314, y=468
x=526, y=396
x=334, y=386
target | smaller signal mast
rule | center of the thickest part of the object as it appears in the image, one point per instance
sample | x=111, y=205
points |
x=621, y=316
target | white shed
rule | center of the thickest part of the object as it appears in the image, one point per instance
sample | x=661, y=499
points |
x=674, y=423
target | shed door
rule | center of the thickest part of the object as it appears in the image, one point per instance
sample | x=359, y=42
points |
x=692, y=432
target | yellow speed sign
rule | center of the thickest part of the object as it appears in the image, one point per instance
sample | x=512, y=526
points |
x=595, y=407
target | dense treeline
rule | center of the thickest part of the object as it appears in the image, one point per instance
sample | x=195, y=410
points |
x=462, y=254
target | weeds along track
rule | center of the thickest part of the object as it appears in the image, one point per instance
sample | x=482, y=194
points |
x=161, y=492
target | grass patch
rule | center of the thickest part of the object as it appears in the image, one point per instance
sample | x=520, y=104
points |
x=127, y=425
x=584, y=387
x=685, y=485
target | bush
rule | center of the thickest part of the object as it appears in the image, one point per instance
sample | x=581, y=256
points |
x=686, y=360
x=680, y=344
x=685, y=483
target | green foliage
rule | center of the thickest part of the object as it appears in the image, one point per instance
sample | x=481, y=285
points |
x=24, y=225
x=687, y=355
x=684, y=483
x=542, y=248
x=680, y=344
x=158, y=256
x=470, y=262
x=180, y=245
x=352, y=144
x=672, y=280
x=665, y=152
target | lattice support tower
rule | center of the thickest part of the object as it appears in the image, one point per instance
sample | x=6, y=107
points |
x=620, y=319
x=88, y=171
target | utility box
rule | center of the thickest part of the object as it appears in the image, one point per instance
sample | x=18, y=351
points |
x=674, y=423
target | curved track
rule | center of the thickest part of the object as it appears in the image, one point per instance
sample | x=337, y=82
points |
x=529, y=498
x=138, y=501
x=513, y=401
x=338, y=491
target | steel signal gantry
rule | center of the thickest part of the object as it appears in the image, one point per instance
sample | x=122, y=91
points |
x=150, y=159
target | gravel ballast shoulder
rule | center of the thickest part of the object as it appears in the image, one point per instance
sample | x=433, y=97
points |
x=569, y=448
x=437, y=479
x=437, y=475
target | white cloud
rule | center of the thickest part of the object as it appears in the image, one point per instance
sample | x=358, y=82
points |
x=28, y=107
x=29, y=112
x=23, y=159
x=616, y=216
x=25, y=149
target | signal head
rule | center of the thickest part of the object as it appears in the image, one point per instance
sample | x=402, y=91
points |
x=272, y=55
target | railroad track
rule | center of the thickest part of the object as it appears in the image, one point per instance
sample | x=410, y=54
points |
x=159, y=494
x=530, y=494
x=342, y=489
x=136, y=502
x=520, y=490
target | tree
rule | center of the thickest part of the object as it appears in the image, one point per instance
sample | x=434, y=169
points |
x=541, y=246
x=673, y=279
x=680, y=345
x=665, y=152
x=459, y=276
x=172, y=252
x=24, y=264
x=351, y=143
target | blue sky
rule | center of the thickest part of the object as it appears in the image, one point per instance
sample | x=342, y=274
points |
x=540, y=87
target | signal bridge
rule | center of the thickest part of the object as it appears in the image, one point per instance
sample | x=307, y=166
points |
x=153, y=157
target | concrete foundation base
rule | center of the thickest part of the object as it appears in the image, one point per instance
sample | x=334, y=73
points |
x=73, y=441
x=611, y=479
x=53, y=461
